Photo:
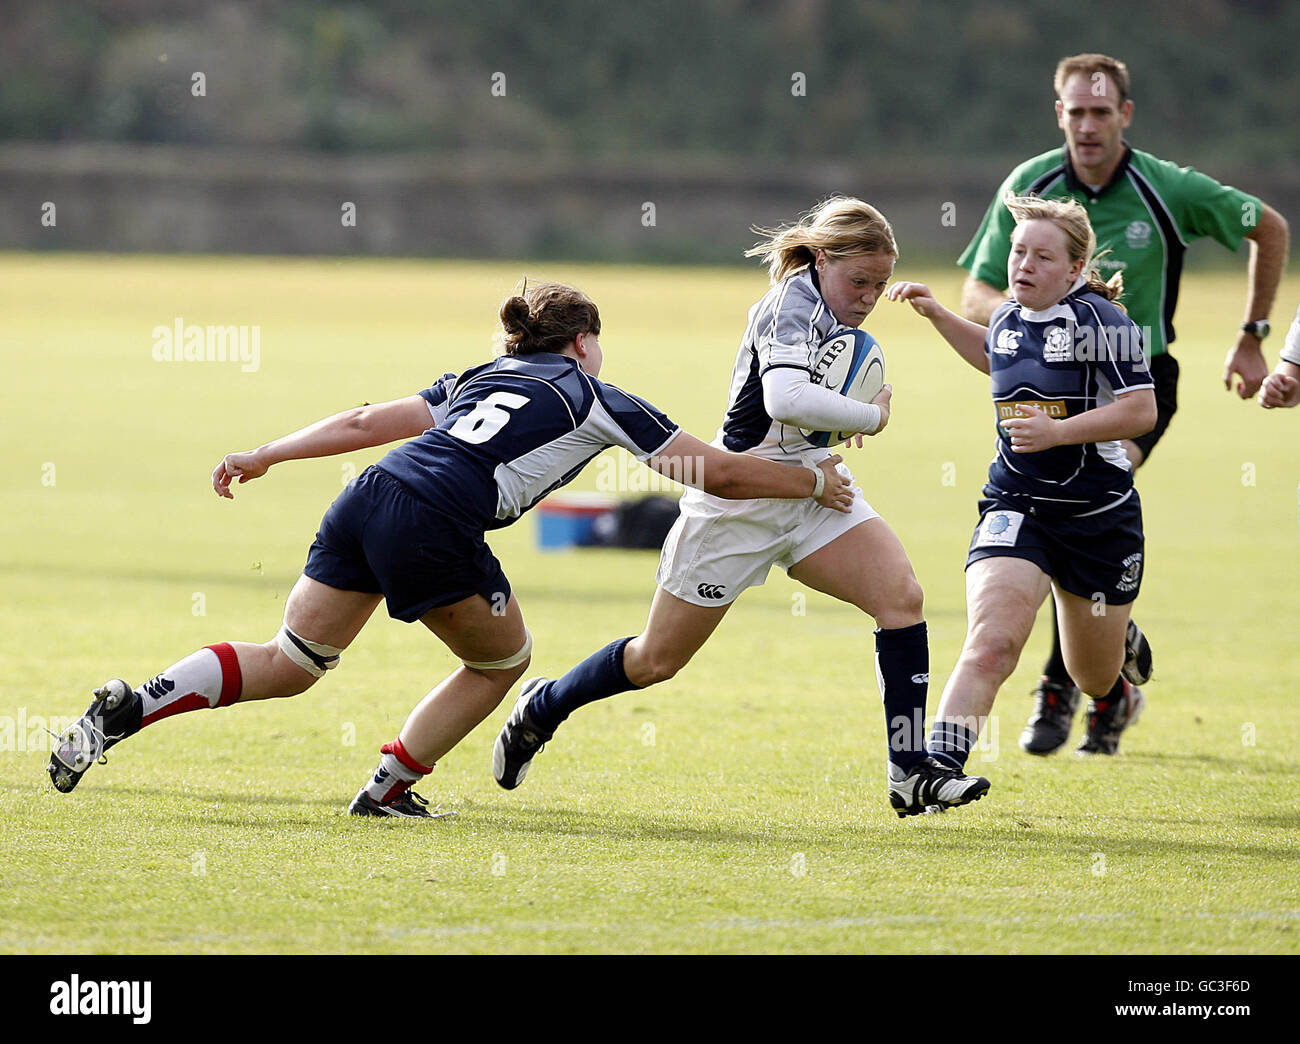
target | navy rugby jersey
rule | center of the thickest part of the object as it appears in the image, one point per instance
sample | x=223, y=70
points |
x=784, y=329
x=1077, y=355
x=508, y=432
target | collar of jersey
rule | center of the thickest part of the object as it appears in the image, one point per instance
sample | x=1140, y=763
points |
x=1073, y=183
x=817, y=285
x=1046, y=315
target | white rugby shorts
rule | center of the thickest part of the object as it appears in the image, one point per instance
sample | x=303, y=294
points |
x=717, y=547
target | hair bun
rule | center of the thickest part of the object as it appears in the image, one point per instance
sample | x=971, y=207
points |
x=515, y=315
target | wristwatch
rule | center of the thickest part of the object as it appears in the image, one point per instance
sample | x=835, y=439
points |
x=1257, y=328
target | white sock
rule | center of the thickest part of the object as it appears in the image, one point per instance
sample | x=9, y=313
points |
x=207, y=678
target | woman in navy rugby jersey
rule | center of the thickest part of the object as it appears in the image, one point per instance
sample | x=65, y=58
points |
x=1060, y=511
x=480, y=450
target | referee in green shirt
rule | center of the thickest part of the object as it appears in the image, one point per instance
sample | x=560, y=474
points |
x=1145, y=211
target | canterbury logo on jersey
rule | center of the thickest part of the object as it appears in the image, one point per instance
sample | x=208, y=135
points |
x=712, y=590
x=159, y=687
x=1007, y=343
x=1053, y=408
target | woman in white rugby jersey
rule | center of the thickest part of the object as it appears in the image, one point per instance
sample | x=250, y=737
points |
x=476, y=452
x=827, y=272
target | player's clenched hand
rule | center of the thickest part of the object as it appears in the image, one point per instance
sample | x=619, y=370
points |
x=838, y=493
x=1032, y=431
x=882, y=400
x=1279, y=390
x=243, y=466
x=918, y=295
x=1246, y=363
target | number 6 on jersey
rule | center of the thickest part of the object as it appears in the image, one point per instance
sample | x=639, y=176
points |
x=488, y=417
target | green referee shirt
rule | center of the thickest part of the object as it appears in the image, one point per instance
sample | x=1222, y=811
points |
x=1146, y=215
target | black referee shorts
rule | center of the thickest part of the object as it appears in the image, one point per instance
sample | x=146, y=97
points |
x=1164, y=374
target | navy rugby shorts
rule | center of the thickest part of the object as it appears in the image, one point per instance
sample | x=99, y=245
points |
x=1087, y=556
x=378, y=537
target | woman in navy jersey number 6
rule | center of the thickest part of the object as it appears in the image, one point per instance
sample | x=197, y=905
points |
x=481, y=449
x=1061, y=513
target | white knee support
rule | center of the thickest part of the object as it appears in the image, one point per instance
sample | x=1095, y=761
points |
x=312, y=657
x=509, y=661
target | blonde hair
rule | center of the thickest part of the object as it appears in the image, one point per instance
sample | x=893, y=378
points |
x=1089, y=65
x=841, y=225
x=1081, y=241
x=545, y=317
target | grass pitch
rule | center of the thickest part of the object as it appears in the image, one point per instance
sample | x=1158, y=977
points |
x=740, y=807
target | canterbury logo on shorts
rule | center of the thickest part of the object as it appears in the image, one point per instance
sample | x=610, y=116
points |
x=999, y=529
x=711, y=590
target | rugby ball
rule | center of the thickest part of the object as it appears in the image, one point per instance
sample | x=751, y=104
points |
x=848, y=363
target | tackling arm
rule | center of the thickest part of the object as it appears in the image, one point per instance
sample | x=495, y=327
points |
x=743, y=476
x=359, y=428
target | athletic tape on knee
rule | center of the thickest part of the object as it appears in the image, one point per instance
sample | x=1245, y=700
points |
x=509, y=661
x=312, y=657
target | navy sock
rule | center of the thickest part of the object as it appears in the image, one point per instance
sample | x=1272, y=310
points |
x=951, y=742
x=598, y=676
x=1054, y=669
x=903, y=672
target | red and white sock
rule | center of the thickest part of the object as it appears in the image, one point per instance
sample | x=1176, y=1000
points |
x=396, y=773
x=204, y=679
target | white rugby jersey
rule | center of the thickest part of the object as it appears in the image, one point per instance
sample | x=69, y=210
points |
x=508, y=432
x=1291, y=349
x=784, y=329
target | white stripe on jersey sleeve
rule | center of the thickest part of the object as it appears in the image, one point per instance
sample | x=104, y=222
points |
x=625, y=442
x=600, y=424
x=1291, y=349
x=520, y=482
x=1110, y=355
x=1112, y=452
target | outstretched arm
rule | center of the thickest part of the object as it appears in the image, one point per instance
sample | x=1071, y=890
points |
x=743, y=476
x=354, y=429
x=967, y=338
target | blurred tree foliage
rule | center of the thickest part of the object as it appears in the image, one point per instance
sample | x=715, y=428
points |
x=1215, y=81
